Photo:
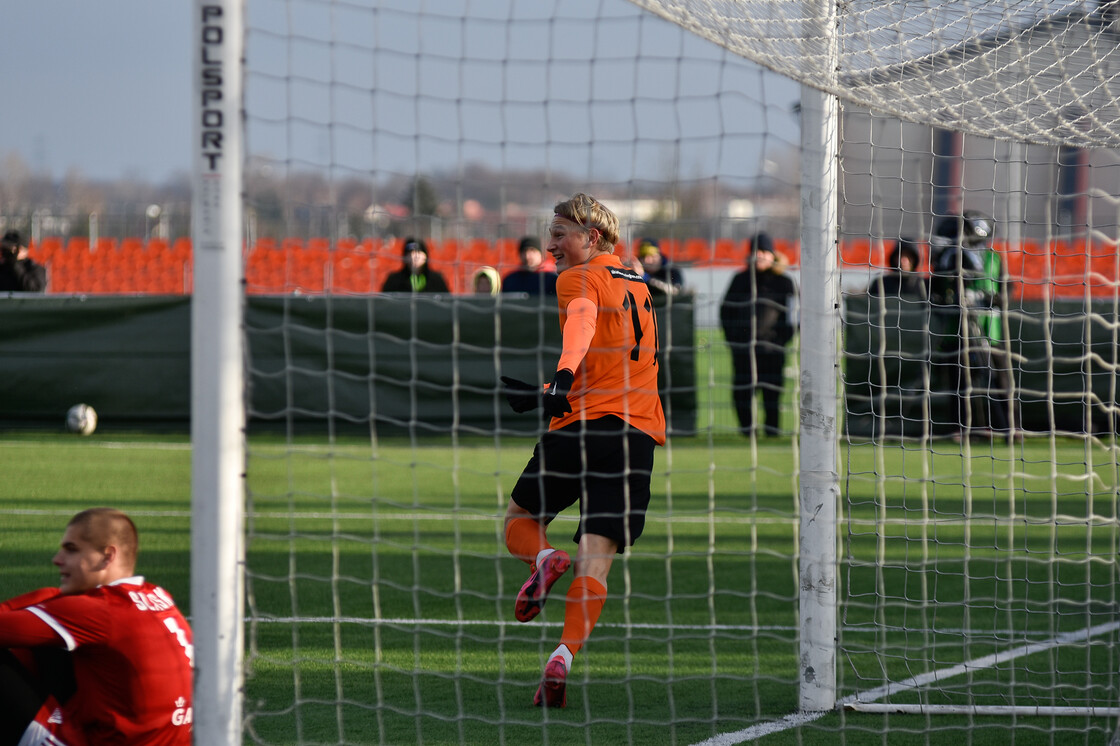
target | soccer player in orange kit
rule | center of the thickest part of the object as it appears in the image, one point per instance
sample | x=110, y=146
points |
x=606, y=420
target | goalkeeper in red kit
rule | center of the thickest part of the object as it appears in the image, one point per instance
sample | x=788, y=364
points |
x=104, y=658
x=605, y=421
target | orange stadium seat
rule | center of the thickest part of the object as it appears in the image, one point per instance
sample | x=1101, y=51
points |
x=311, y=267
x=855, y=252
x=352, y=270
x=182, y=247
x=1066, y=268
x=384, y=262
x=692, y=250
x=473, y=253
x=1029, y=266
x=506, y=258
x=130, y=245
x=265, y=268
x=1070, y=278
x=721, y=247
x=1082, y=267
x=730, y=252
x=46, y=248
x=439, y=252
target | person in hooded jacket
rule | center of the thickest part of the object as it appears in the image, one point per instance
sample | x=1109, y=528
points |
x=416, y=275
x=756, y=319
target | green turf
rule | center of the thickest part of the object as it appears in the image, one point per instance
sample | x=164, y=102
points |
x=400, y=543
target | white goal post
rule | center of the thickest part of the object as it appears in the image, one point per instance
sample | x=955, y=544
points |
x=819, y=472
x=217, y=373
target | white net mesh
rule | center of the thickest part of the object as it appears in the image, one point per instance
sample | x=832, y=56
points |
x=1030, y=71
x=974, y=573
x=380, y=588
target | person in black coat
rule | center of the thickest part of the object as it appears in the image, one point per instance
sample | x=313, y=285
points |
x=415, y=276
x=902, y=280
x=755, y=315
x=898, y=310
x=530, y=277
x=18, y=272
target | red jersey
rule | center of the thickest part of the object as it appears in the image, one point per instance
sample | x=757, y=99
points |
x=132, y=654
x=618, y=375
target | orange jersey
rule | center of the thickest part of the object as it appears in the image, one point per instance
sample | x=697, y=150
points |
x=618, y=375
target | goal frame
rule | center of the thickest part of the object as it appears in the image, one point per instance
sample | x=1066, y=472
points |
x=218, y=409
x=217, y=373
x=819, y=476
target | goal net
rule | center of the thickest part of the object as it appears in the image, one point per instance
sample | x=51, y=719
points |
x=975, y=573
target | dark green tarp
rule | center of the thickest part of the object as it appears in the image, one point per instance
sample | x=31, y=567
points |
x=421, y=364
x=1064, y=367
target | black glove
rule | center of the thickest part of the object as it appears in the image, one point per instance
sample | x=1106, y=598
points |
x=555, y=399
x=522, y=397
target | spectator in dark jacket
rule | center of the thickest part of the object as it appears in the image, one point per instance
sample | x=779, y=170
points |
x=662, y=277
x=902, y=280
x=531, y=276
x=755, y=315
x=898, y=309
x=415, y=276
x=18, y=271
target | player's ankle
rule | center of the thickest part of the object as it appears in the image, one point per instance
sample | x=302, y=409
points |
x=565, y=654
x=542, y=555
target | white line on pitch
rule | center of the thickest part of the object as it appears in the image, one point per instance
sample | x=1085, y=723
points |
x=429, y=514
x=111, y=445
x=796, y=720
x=369, y=621
x=520, y=625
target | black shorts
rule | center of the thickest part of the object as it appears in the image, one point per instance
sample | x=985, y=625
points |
x=604, y=464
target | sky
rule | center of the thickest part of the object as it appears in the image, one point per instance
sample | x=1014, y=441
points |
x=100, y=87
x=104, y=89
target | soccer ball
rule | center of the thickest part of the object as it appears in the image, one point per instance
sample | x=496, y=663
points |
x=81, y=419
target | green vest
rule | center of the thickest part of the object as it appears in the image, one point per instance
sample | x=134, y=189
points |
x=990, y=320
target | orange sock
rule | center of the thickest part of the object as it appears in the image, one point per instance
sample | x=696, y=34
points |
x=586, y=596
x=525, y=538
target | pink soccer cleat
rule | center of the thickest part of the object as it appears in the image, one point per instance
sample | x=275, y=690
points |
x=531, y=597
x=553, y=689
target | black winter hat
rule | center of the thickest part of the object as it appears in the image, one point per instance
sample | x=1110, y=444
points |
x=762, y=242
x=414, y=244
x=904, y=247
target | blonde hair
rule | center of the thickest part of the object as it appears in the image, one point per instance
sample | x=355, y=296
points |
x=588, y=212
x=103, y=527
x=781, y=263
x=489, y=273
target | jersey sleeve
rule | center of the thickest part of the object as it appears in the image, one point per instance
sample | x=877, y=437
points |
x=29, y=599
x=579, y=330
x=24, y=628
x=78, y=619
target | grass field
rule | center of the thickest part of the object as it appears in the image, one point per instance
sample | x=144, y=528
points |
x=380, y=591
